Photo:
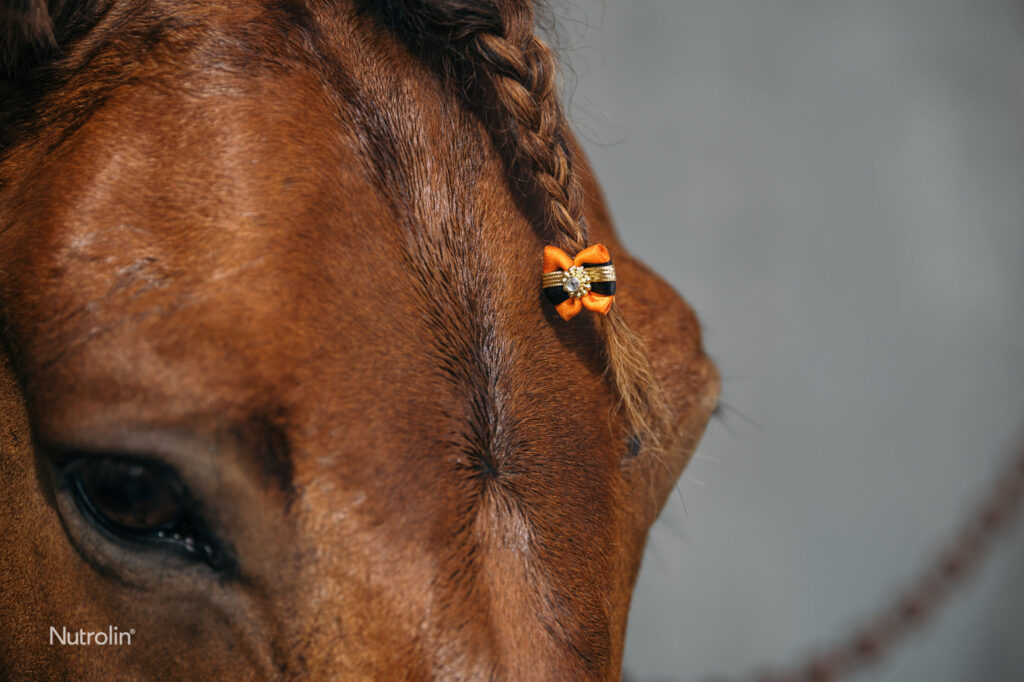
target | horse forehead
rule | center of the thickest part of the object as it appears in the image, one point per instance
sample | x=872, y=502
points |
x=288, y=173
x=349, y=224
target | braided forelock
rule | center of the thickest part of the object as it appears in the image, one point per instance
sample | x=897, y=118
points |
x=494, y=41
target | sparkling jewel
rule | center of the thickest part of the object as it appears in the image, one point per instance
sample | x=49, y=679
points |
x=576, y=282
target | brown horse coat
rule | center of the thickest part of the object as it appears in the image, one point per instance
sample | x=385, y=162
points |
x=263, y=246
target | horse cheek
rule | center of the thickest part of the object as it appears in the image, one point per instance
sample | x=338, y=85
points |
x=36, y=588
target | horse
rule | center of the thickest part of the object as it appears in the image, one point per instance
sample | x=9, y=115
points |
x=280, y=394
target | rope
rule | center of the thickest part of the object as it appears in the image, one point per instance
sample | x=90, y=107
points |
x=919, y=601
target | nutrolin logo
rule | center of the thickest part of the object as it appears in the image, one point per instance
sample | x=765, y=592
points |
x=108, y=637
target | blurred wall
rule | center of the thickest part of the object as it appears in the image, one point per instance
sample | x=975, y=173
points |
x=837, y=187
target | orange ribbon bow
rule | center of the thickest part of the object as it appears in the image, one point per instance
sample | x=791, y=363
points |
x=586, y=281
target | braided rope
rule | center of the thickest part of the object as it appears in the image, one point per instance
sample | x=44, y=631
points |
x=918, y=602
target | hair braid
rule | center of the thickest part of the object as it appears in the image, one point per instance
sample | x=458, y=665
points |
x=494, y=43
x=523, y=74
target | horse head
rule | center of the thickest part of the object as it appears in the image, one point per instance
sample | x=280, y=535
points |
x=280, y=394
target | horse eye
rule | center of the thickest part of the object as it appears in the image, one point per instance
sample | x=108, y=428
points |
x=128, y=496
x=142, y=503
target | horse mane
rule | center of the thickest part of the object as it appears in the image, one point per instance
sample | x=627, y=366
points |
x=492, y=47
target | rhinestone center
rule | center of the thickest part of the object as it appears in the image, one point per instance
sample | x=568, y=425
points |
x=576, y=282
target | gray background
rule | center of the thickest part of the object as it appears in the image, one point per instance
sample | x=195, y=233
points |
x=838, y=189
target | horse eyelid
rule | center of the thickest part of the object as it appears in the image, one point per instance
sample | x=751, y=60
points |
x=188, y=534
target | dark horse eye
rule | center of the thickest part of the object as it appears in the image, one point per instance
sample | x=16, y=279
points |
x=141, y=502
x=129, y=496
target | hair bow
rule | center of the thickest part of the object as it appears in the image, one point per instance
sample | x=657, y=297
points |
x=586, y=281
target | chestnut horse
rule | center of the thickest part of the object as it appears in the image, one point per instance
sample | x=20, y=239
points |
x=280, y=394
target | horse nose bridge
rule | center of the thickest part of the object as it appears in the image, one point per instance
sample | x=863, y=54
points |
x=385, y=588
x=348, y=621
x=359, y=594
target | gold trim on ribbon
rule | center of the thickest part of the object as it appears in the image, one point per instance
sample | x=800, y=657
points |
x=600, y=273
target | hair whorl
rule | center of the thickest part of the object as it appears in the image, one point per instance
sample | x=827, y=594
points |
x=494, y=42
